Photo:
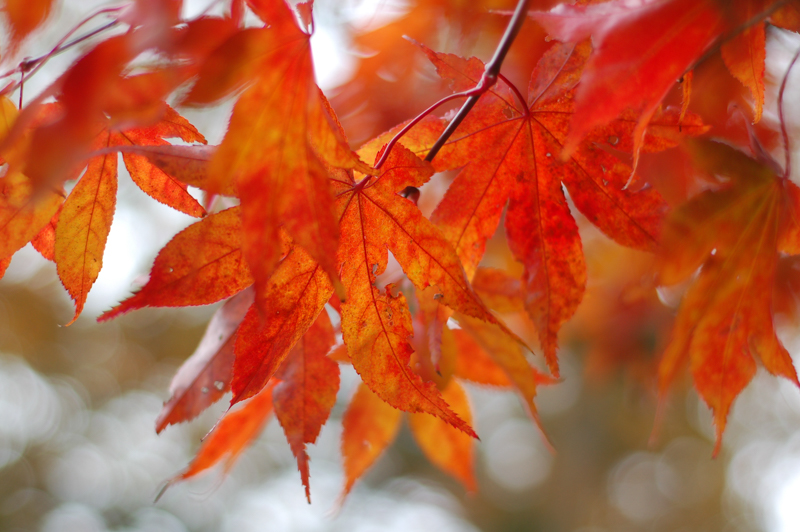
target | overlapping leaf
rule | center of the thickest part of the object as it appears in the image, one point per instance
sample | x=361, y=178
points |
x=376, y=326
x=370, y=425
x=293, y=298
x=505, y=354
x=447, y=448
x=202, y=264
x=231, y=435
x=670, y=37
x=725, y=320
x=307, y=391
x=745, y=53
x=280, y=132
x=55, y=147
x=518, y=162
x=23, y=213
x=206, y=375
x=85, y=221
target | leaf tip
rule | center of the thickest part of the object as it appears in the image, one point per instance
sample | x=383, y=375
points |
x=658, y=422
x=720, y=420
x=74, y=318
x=163, y=489
x=112, y=313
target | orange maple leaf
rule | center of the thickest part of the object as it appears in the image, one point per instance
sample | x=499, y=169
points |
x=511, y=155
x=281, y=131
x=24, y=16
x=371, y=425
x=670, y=36
x=231, y=435
x=307, y=391
x=293, y=297
x=206, y=375
x=202, y=264
x=725, y=320
x=85, y=220
x=447, y=448
x=23, y=212
x=376, y=326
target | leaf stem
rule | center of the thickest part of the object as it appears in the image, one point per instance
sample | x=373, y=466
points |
x=416, y=121
x=487, y=81
x=787, y=167
x=516, y=91
x=489, y=75
x=29, y=67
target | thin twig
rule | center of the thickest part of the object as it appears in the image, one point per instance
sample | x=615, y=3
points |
x=29, y=67
x=416, y=121
x=787, y=167
x=489, y=76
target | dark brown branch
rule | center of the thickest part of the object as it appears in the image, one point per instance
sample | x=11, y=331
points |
x=489, y=76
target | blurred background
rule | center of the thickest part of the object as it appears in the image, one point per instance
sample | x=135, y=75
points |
x=78, y=449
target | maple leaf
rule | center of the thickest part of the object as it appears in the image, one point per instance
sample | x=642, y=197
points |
x=99, y=89
x=206, y=375
x=23, y=213
x=281, y=131
x=84, y=222
x=307, y=391
x=369, y=426
x=231, y=435
x=301, y=394
x=505, y=354
x=187, y=164
x=154, y=182
x=449, y=449
x=745, y=54
x=202, y=264
x=293, y=298
x=670, y=37
x=25, y=16
x=49, y=153
x=511, y=155
x=725, y=320
x=483, y=357
x=376, y=326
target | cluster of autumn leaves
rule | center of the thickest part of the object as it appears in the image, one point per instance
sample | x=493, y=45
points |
x=311, y=234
